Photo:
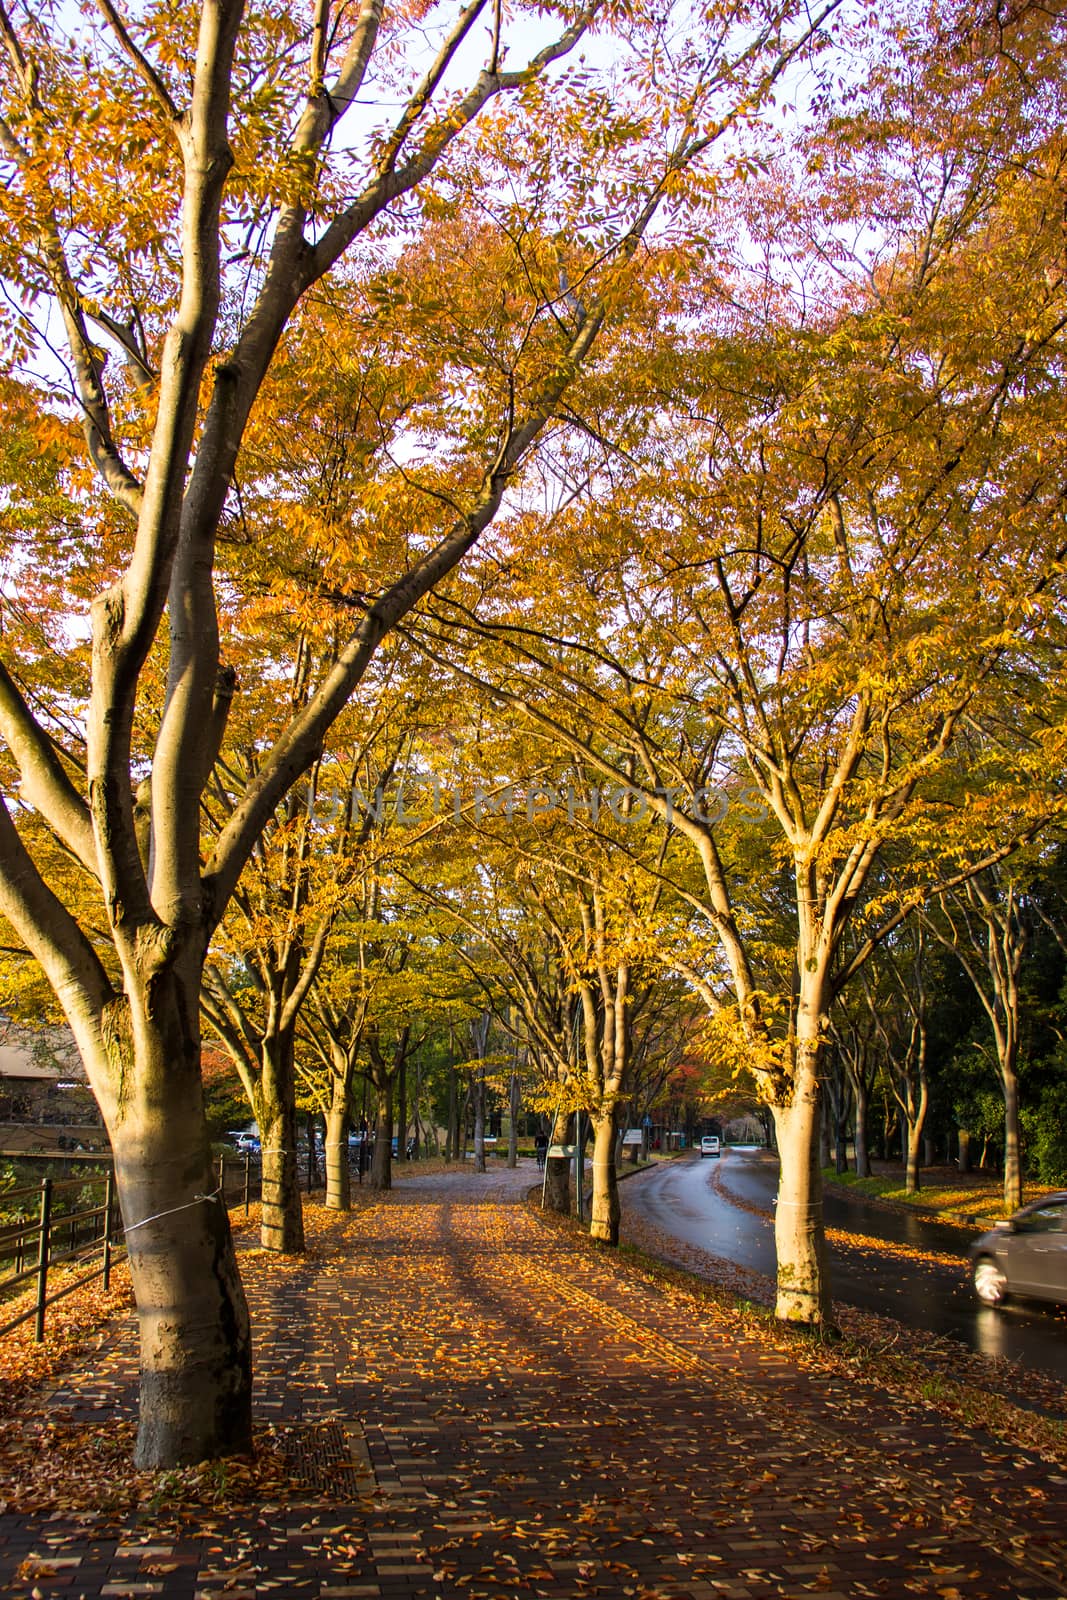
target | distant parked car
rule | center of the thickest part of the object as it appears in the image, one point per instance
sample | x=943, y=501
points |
x=1025, y=1254
x=709, y=1146
x=244, y=1143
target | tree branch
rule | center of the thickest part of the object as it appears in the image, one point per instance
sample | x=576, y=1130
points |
x=49, y=932
x=45, y=784
x=871, y=943
x=157, y=88
x=300, y=743
x=170, y=552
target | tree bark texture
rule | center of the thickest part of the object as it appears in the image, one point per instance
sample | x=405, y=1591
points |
x=338, y=1177
x=918, y=1140
x=282, y=1222
x=606, y=1212
x=1013, y=1172
x=196, y=1350
x=452, y=1132
x=803, y=1282
x=478, y=1089
x=863, y=1160
x=558, y=1171
x=964, y=1150
x=381, y=1167
x=402, y=1112
x=514, y=1102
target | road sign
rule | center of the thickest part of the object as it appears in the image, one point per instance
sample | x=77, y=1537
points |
x=633, y=1136
x=568, y=1150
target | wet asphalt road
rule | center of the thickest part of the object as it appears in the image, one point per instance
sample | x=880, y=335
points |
x=684, y=1200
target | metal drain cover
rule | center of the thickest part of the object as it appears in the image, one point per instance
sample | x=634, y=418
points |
x=331, y=1458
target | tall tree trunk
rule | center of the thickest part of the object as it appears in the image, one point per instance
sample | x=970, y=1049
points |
x=863, y=1160
x=916, y=1124
x=311, y=1138
x=841, y=1150
x=338, y=1178
x=913, y=1162
x=964, y=1150
x=417, y=1138
x=478, y=1085
x=451, y=1135
x=604, y=1223
x=840, y=1116
x=803, y=1280
x=989, y=932
x=381, y=1171
x=282, y=1221
x=514, y=1101
x=463, y=1122
x=402, y=1112
x=1013, y=1172
x=558, y=1171
x=196, y=1350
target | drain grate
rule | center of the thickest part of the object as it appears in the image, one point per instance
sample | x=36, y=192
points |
x=332, y=1458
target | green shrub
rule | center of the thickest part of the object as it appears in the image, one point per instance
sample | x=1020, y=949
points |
x=1044, y=1129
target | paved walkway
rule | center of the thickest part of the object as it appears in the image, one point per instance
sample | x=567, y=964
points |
x=476, y=1405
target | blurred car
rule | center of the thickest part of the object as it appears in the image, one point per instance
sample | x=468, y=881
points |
x=243, y=1142
x=709, y=1146
x=1025, y=1254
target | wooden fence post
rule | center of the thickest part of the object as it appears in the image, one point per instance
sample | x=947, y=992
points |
x=42, y=1257
x=109, y=1212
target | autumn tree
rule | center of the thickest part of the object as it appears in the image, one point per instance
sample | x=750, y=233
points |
x=897, y=990
x=312, y=860
x=566, y=923
x=987, y=926
x=839, y=540
x=174, y=186
x=387, y=981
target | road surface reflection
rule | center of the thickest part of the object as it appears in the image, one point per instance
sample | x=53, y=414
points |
x=691, y=1201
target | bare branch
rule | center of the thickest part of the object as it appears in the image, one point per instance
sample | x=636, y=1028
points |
x=89, y=380
x=390, y=182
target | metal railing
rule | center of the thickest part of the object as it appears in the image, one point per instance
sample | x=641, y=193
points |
x=36, y=1245
x=47, y=1237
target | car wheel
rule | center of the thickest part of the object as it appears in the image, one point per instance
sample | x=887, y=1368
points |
x=990, y=1284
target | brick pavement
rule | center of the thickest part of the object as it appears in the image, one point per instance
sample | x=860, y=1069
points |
x=478, y=1405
